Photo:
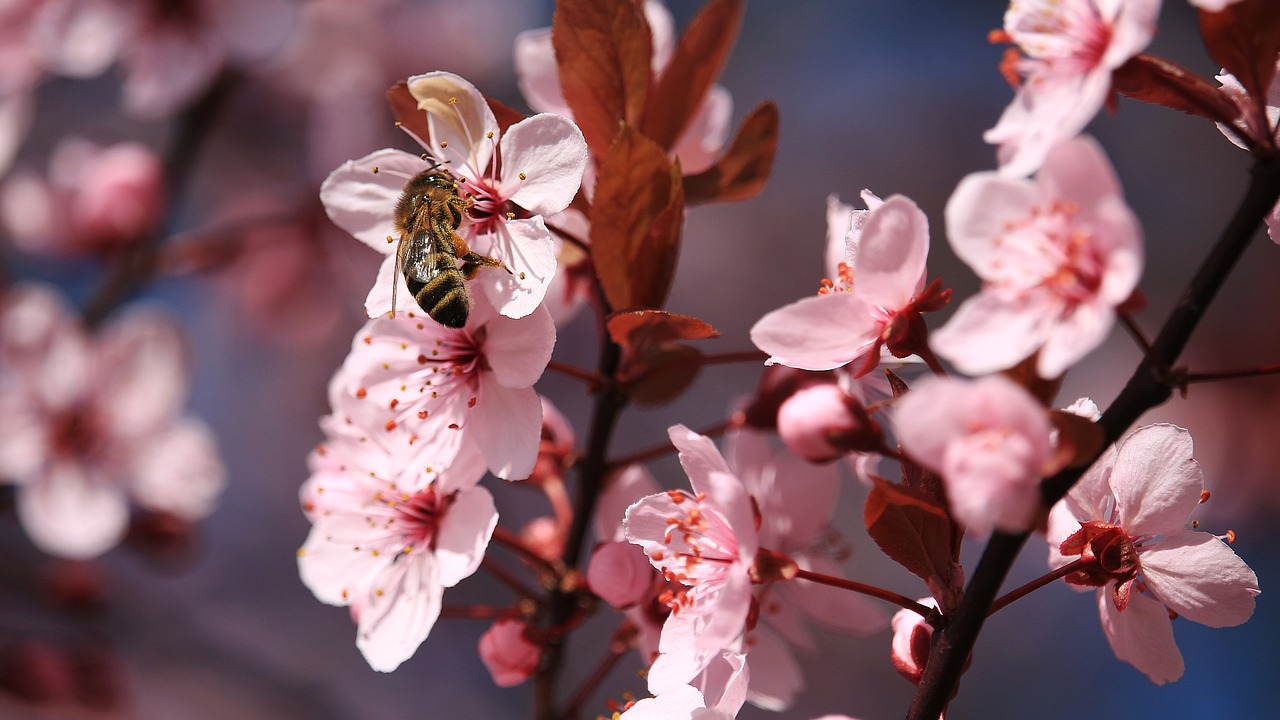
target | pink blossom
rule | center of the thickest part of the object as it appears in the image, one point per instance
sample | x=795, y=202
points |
x=873, y=302
x=1127, y=520
x=990, y=442
x=439, y=382
x=393, y=526
x=706, y=542
x=507, y=653
x=911, y=635
x=94, y=200
x=515, y=178
x=699, y=144
x=716, y=694
x=1071, y=48
x=796, y=500
x=1057, y=256
x=89, y=424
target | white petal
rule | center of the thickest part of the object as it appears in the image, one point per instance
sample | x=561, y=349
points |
x=506, y=425
x=817, y=333
x=363, y=202
x=1156, y=481
x=464, y=535
x=460, y=121
x=73, y=513
x=179, y=470
x=529, y=251
x=1141, y=636
x=401, y=609
x=518, y=350
x=1201, y=578
x=543, y=158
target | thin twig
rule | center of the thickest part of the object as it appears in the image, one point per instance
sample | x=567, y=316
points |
x=1047, y=578
x=901, y=601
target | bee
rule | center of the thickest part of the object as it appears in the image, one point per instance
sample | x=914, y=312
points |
x=427, y=215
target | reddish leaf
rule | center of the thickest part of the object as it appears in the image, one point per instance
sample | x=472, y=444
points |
x=504, y=114
x=694, y=67
x=661, y=375
x=744, y=168
x=405, y=109
x=1160, y=82
x=639, y=329
x=603, y=48
x=636, y=217
x=914, y=532
x=1244, y=39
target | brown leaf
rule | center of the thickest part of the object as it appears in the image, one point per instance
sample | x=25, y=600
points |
x=1244, y=39
x=603, y=48
x=914, y=532
x=405, y=109
x=1161, y=82
x=504, y=114
x=636, y=216
x=694, y=67
x=744, y=168
x=640, y=329
x=661, y=375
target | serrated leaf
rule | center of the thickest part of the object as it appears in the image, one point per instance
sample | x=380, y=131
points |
x=694, y=67
x=744, y=168
x=1161, y=82
x=914, y=532
x=661, y=375
x=636, y=217
x=603, y=49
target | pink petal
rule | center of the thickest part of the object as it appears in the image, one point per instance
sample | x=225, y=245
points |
x=543, y=158
x=1078, y=169
x=1201, y=578
x=518, y=351
x=1090, y=498
x=527, y=248
x=977, y=213
x=464, y=534
x=620, y=574
x=506, y=425
x=699, y=145
x=724, y=686
x=677, y=704
x=166, y=69
x=179, y=470
x=363, y=202
x=621, y=490
x=834, y=608
x=72, y=514
x=1155, y=480
x=800, y=501
x=988, y=333
x=1132, y=28
x=777, y=677
x=401, y=608
x=536, y=72
x=646, y=524
x=698, y=456
x=328, y=565
x=840, y=218
x=1142, y=636
x=459, y=119
x=731, y=498
x=1074, y=336
x=378, y=302
x=890, y=266
x=144, y=365
x=817, y=333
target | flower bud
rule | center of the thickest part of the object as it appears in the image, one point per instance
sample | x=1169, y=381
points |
x=620, y=574
x=119, y=195
x=508, y=654
x=543, y=536
x=911, y=636
x=822, y=423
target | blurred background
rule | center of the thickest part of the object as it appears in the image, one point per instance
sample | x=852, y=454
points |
x=893, y=97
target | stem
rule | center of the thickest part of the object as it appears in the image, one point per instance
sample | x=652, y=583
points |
x=1231, y=374
x=591, y=473
x=505, y=577
x=1018, y=594
x=473, y=612
x=1145, y=390
x=901, y=601
x=734, y=357
x=504, y=536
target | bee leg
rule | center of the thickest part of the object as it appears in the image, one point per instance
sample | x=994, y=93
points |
x=473, y=261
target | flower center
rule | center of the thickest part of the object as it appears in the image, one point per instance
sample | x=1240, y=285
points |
x=703, y=548
x=416, y=518
x=1050, y=251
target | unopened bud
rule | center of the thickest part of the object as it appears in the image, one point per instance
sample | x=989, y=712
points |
x=508, y=654
x=822, y=423
x=620, y=574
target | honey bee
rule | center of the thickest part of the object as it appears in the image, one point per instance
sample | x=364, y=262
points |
x=427, y=215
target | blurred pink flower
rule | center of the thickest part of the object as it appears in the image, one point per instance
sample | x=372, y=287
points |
x=871, y=304
x=1127, y=519
x=515, y=178
x=95, y=200
x=706, y=542
x=716, y=694
x=507, y=654
x=1071, y=48
x=990, y=442
x=394, y=523
x=700, y=143
x=439, y=382
x=88, y=424
x=1057, y=256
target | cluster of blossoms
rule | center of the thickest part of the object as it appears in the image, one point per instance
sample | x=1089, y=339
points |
x=728, y=575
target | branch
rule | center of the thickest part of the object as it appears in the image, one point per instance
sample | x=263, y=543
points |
x=1146, y=389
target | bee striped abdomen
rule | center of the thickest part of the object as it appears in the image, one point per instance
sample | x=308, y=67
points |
x=444, y=294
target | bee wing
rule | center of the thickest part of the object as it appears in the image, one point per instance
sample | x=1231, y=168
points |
x=420, y=256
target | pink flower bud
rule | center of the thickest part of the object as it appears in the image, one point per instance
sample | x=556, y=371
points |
x=120, y=195
x=508, y=654
x=822, y=423
x=543, y=536
x=620, y=574
x=911, y=635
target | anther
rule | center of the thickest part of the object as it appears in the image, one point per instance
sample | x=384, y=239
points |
x=1204, y=496
x=361, y=392
x=391, y=425
x=522, y=176
x=375, y=169
x=1230, y=537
